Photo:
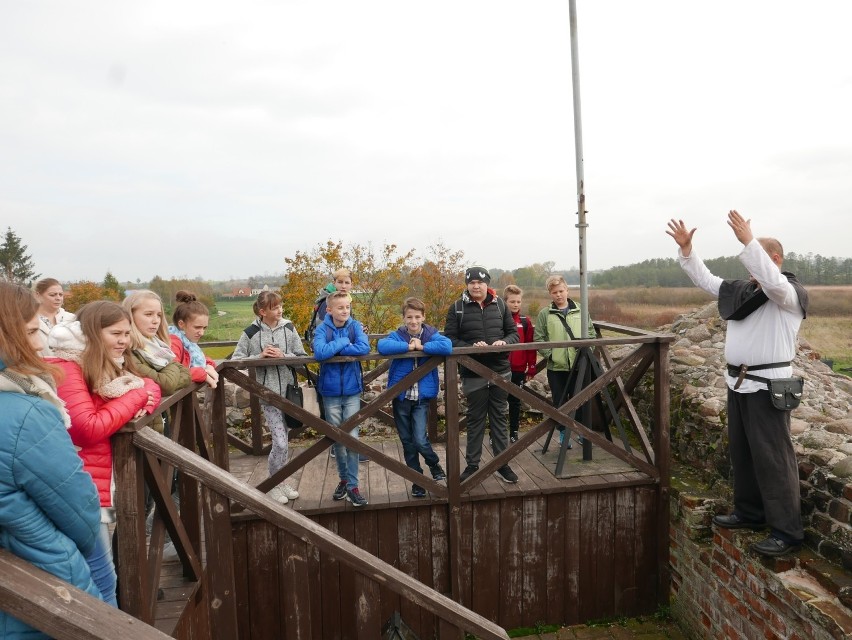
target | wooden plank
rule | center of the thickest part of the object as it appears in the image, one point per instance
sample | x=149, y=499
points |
x=312, y=484
x=463, y=560
x=396, y=487
x=369, y=615
x=347, y=591
x=440, y=537
x=262, y=547
x=485, y=564
x=534, y=551
x=294, y=578
x=376, y=480
x=425, y=567
x=572, y=558
x=408, y=563
x=220, y=574
x=646, y=549
x=330, y=577
x=315, y=586
x=556, y=571
x=61, y=610
x=388, y=544
x=511, y=562
x=604, y=555
x=241, y=578
x=624, y=578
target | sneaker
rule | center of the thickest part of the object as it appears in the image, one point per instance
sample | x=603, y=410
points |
x=438, y=473
x=277, y=494
x=506, y=474
x=562, y=439
x=331, y=453
x=469, y=470
x=289, y=491
x=340, y=491
x=362, y=458
x=417, y=491
x=513, y=437
x=354, y=496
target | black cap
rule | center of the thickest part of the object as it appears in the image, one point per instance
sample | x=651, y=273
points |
x=477, y=273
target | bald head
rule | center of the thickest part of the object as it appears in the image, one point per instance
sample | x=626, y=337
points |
x=773, y=248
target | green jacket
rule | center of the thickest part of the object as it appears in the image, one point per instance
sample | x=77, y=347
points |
x=171, y=379
x=549, y=328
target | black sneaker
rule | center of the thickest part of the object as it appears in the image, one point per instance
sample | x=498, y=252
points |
x=417, y=491
x=438, y=473
x=354, y=496
x=340, y=491
x=513, y=437
x=506, y=474
x=469, y=470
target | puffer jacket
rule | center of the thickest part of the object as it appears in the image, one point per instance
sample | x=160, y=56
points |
x=94, y=419
x=549, y=328
x=44, y=328
x=340, y=378
x=259, y=335
x=434, y=344
x=488, y=322
x=49, y=507
x=198, y=374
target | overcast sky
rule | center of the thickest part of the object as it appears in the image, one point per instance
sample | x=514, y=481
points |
x=213, y=139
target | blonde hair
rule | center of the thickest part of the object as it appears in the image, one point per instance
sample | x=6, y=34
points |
x=414, y=303
x=131, y=303
x=97, y=364
x=341, y=273
x=337, y=295
x=17, y=307
x=554, y=281
x=512, y=290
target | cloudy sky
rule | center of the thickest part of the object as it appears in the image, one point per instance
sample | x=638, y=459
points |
x=213, y=139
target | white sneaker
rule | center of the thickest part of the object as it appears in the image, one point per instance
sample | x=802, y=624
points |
x=169, y=551
x=277, y=493
x=289, y=491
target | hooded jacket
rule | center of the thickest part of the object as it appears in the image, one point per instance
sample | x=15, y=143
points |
x=49, y=513
x=340, y=378
x=469, y=321
x=283, y=335
x=434, y=344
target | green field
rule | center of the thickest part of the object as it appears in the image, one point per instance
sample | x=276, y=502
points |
x=235, y=316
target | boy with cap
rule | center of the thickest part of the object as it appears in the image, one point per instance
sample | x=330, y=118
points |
x=478, y=319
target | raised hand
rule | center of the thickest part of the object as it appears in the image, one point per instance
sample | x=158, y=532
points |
x=678, y=231
x=741, y=227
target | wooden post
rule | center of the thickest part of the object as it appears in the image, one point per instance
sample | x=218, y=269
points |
x=131, y=560
x=451, y=395
x=219, y=427
x=190, y=510
x=662, y=451
x=221, y=596
x=256, y=422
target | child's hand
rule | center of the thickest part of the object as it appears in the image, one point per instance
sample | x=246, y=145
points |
x=415, y=345
x=271, y=351
x=212, y=376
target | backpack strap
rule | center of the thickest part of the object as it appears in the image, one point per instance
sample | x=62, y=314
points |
x=565, y=324
x=525, y=323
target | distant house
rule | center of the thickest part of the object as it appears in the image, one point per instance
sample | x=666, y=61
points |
x=241, y=292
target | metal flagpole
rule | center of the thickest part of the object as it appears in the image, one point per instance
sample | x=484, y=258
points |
x=578, y=155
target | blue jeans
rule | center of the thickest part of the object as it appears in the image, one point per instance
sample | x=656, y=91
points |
x=101, y=566
x=338, y=409
x=410, y=417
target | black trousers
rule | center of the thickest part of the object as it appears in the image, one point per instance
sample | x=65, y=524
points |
x=766, y=474
x=515, y=403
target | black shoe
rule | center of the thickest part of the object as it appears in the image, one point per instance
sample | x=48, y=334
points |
x=340, y=491
x=772, y=546
x=469, y=470
x=438, y=473
x=506, y=474
x=354, y=496
x=417, y=491
x=513, y=437
x=733, y=521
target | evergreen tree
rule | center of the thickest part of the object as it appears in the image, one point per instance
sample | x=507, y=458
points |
x=111, y=284
x=16, y=265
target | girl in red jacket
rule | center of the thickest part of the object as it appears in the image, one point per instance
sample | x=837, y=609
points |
x=101, y=392
x=190, y=318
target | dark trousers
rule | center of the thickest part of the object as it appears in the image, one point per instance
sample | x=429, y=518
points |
x=515, y=403
x=558, y=381
x=766, y=474
x=411, y=417
x=484, y=399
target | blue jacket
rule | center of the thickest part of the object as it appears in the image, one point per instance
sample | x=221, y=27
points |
x=434, y=344
x=49, y=508
x=340, y=378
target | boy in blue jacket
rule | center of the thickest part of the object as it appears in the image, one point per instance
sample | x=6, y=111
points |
x=340, y=384
x=411, y=407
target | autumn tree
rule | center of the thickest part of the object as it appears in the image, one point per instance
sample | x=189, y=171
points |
x=438, y=281
x=85, y=291
x=16, y=264
x=307, y=272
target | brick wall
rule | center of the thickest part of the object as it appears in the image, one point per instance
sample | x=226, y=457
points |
x=722, y=590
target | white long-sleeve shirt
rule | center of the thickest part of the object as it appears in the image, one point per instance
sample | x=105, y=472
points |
x=769, y=333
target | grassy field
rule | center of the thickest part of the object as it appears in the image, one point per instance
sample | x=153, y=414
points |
x=828, y=327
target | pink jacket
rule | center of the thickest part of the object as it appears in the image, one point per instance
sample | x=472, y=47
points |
x=198, y=374
x=94, y=419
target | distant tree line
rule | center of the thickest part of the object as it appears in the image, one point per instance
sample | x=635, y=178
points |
x=666, y=272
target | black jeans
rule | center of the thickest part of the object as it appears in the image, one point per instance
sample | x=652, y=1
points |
x=515, y=403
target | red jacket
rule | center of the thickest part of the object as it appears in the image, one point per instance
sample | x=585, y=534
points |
x=94, y=419
x=523, y=361
x=198, y=374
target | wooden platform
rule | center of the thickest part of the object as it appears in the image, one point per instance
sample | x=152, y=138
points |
x=383, y=489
